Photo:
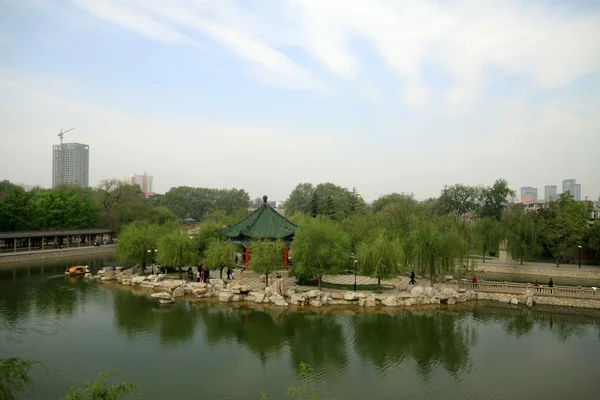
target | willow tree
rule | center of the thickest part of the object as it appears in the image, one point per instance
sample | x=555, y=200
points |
x=521, y=234
x=177, y=250
x=219, y=255
x=136, y=239
x=435, y=245
x=320, y=247
x=488, y=233
x=381, y=258
x=267, y=256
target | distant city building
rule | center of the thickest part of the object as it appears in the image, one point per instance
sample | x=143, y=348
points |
x=571, y=186
x=577, y=191
x=75, y=165
x=145, y=182
x=528, y=194
x=550, y=192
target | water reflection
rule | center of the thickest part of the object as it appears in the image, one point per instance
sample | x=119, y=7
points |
x=430, y=339
x=521, y=322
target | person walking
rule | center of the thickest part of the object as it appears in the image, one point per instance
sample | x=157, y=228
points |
x=551, y=284
x=412, y=278
x=229, y=273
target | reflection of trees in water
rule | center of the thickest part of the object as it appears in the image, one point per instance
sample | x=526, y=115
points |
x=135, y=314
x=429, y=339
x=257, y=330
x=318, y=340
x=41, y=297
x=520, y=321
x=312, y=338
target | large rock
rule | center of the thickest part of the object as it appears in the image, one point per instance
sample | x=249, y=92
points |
x=166, y=301
x=315, y=303
x=338, y=295
x=297, y=299
x=504, y=299
x=514, y=301
x=449, y=292
x=371, y=302
x=428, y=291
x=162, y=295
x=109, y=276
x=350, y=296
x=136, y=280
x=88, y=276
x=411, y=301
x=362, y=302
x=313, y=293
x=281, y=303
x=416, y=291
x=451, y=301
x=178, y=292
x=198, y=291
x=225, y=297
x=160, y=277
x=289, y=292
x=259, y=298
x=126, y=282
x=390, y=301
x=529, y=301
x=448, y=277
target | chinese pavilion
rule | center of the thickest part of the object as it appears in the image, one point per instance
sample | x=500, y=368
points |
x=262, y=223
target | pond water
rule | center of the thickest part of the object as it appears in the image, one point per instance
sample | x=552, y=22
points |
x=207, y=350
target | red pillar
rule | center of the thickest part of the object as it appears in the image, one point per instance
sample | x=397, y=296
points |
x=285, y=257
x=247, y=257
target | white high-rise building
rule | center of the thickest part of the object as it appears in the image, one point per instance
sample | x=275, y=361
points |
x=550, y=192
x=75, y=165
x=528, y=194
x=571, y=186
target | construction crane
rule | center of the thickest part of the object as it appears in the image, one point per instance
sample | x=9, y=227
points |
x=60, y=165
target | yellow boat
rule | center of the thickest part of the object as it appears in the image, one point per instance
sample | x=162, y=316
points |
x=78, y=270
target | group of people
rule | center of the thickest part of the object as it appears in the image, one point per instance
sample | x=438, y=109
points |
x=203, y=274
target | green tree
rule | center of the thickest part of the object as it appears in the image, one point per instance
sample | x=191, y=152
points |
x=487, y=233
x=193, y=202
x=299, y=201
x=494, y=199
x=314, y=205
x=100, y=389
x=593, y=238
x=219, y=255
x=136, y=239
x=407, y=201
x=205, y=232
x=267, y=256
x=16, y=209
x=14, y=376
x=320, y=247
x=381, y=258
x=521, y=234
x=460, y=199
x=435, y=245
x=176, y=249
x=562, y=225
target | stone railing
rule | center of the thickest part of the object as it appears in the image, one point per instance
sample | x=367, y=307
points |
x=519, y=288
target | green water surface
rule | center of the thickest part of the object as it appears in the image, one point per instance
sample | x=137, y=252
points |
x=206, y=350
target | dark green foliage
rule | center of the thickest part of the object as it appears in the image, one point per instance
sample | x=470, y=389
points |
x=521, y=234
x=381, y=258
x=324, y=199
x=14, y=376
x=185, y=201
x=100, y=389
x=266, y=256
x=219, y=255
x=320, y=247
x=563, y=225
x=488, y=233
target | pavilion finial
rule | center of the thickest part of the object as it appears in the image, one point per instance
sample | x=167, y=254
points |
x=265, y=199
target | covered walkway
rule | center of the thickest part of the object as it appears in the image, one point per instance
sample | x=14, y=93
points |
x=50, y=240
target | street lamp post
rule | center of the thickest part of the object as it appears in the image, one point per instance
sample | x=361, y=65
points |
x=355, y=268
x=579, y=256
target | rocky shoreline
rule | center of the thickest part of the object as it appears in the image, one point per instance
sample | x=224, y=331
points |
x=167, y=290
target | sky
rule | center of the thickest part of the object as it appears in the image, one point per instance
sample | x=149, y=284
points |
x=382, y=95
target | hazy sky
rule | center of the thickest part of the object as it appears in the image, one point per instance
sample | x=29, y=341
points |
x=395, y=95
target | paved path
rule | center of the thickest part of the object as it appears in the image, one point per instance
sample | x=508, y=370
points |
x=540, y=265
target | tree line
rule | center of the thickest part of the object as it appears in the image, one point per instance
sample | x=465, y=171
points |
x=111, y=204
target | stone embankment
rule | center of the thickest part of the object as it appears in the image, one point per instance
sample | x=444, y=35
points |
x=167, y=290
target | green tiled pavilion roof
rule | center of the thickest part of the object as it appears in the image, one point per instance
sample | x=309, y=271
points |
x=262, y=223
